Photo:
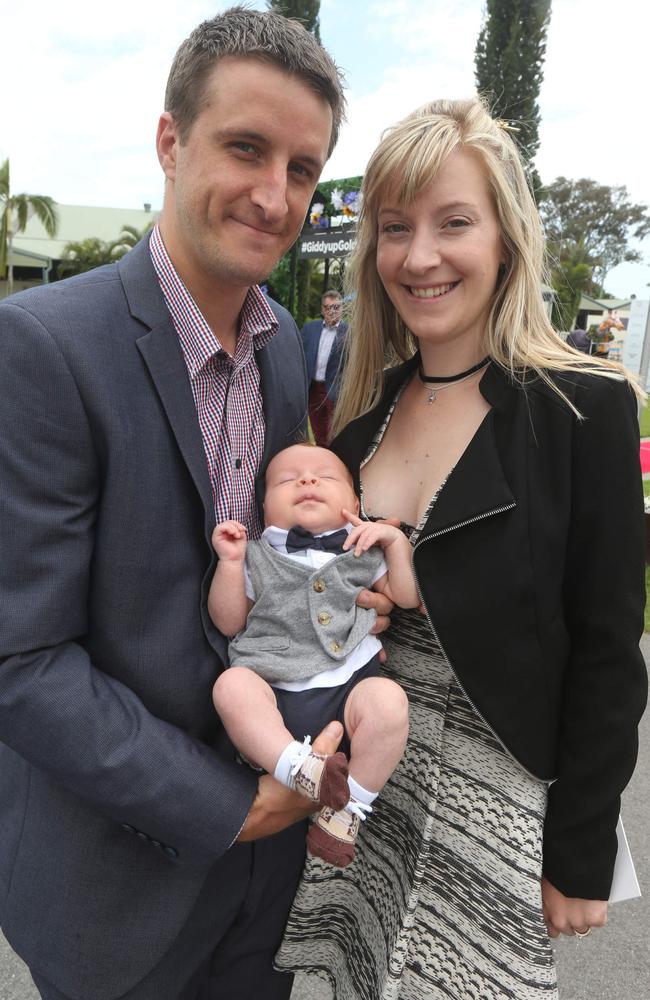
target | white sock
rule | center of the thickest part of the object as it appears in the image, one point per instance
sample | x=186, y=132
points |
x=360, y=798
x=285, y=763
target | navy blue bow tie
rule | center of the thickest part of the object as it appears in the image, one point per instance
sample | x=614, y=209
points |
x=300, y=538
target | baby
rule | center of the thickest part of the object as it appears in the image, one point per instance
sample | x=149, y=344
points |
x=302, y=654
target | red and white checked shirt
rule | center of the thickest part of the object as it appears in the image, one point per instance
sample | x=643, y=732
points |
x=226, y=390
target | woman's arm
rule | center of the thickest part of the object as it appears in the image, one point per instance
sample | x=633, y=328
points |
x=399, y=583
x=606, y=681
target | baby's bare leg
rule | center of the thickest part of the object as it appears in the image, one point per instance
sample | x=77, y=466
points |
x=247, y=707
x=376, y=720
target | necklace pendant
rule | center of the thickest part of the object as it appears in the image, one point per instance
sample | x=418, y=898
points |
x=432, y=396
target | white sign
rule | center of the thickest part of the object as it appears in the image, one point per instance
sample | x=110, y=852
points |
x=634, y=356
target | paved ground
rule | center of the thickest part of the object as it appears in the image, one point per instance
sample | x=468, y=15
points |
x=613, y=964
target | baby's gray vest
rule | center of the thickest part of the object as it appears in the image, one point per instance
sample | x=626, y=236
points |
x=305, y=620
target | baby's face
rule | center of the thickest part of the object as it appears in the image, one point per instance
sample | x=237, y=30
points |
x=310, y=487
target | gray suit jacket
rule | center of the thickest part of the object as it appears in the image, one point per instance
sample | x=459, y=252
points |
x=113, y=801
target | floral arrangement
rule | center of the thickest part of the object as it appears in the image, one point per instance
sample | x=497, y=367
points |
x=337, y=203
x=348, y=204
x=317, y=216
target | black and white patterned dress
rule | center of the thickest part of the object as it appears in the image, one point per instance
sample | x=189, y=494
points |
x=443, y=901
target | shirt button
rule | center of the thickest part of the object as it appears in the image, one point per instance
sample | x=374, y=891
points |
x=336, y=647
x=324, y=618
x=319, y=586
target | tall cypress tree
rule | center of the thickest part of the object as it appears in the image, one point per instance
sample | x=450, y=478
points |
x=509, y=67
x=307, y=12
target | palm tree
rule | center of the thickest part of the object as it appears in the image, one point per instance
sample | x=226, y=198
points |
x=84, y=255
x=15, y=211
x=130, y=235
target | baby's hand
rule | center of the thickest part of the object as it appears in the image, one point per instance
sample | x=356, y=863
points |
x=365, y=534
x=229, y=541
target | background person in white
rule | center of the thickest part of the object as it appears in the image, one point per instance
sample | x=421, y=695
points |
x=323, y=343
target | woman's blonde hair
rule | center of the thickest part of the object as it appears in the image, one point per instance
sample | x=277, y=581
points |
x=519, y=334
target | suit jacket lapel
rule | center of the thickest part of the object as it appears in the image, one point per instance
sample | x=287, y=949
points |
x=162, y=354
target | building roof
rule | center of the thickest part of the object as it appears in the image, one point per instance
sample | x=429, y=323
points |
x=24, y=258
x=589, y=304
x=80, y=222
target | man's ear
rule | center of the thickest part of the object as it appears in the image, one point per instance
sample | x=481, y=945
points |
x=167, y=142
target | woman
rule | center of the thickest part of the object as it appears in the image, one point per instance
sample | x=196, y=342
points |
x=503, y=448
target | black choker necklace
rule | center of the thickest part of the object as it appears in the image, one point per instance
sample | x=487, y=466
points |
x=440, y=382
x=443, y=379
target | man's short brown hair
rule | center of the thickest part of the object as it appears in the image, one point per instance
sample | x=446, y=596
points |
x=265, y=36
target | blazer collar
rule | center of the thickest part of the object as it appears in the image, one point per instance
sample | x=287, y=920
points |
x=162, y=354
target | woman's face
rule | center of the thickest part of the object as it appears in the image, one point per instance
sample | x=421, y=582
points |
x=439, y=258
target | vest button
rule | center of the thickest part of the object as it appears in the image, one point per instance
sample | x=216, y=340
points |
x=336, y=647
x=319, y=586
x=324, y=618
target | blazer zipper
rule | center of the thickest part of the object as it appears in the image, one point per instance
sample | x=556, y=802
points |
x=436, y=534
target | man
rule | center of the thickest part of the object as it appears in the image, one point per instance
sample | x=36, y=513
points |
x=579, y=339
x=138, y=403
x=323, y=343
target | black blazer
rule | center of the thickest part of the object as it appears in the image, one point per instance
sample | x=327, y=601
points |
x=531, y=567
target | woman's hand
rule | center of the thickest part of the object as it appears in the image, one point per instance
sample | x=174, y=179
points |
x=566, y=915
x=382, y=604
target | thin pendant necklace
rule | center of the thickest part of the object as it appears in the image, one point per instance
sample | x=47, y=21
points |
x=441, y=382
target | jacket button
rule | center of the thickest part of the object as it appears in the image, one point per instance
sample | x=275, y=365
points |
x=171, y=852
x=128, y=828
x=324, y=618
x=319, y=586
x=336, y=647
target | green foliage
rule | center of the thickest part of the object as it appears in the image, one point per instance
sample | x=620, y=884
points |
x=130, y=235
x=84, y=255
x=306, y=11
x=15, y=211
x=599, y=219
x=288, y=288
x=279, y=281
x=570, y=277
x=308, y=291
x=303, y=285
x=509, y=60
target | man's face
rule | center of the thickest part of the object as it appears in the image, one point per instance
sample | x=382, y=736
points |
x=331, y=311
x=240, y=185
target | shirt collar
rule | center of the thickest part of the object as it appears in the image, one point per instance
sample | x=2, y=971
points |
x=257, y=322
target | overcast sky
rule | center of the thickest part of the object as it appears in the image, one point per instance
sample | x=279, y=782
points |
x=84, y=83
